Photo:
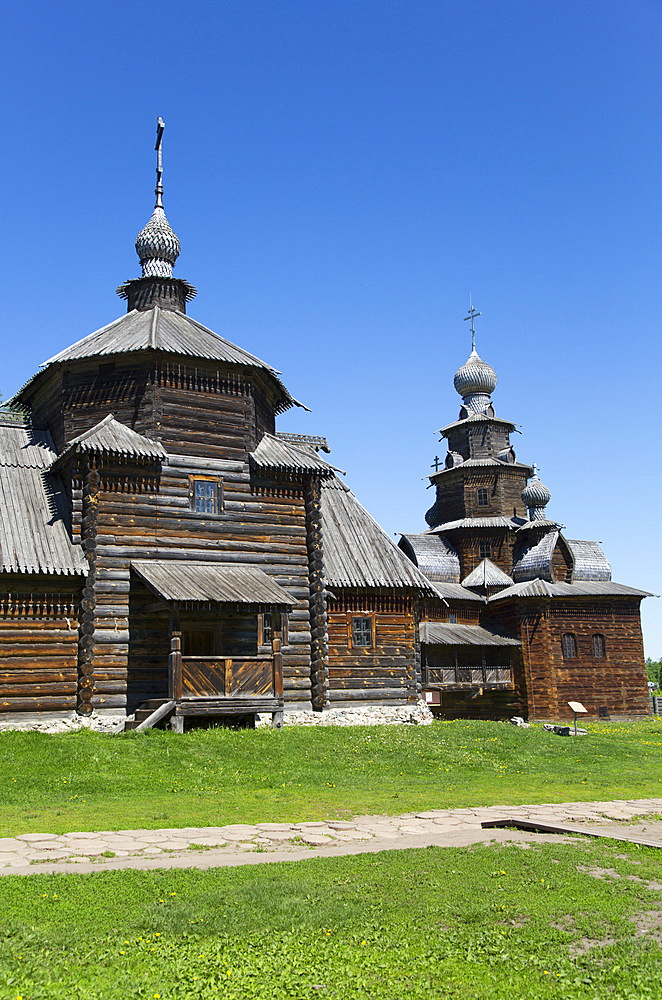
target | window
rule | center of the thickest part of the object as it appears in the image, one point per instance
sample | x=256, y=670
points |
x=598, y=646
x=569, y=646
x=205, y=494
x=452, y=618
x=362, y=632
x=485, y=549
x=483, y=497
x=267, y=628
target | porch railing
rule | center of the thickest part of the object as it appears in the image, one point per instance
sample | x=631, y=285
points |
x=480, y=676
x=221, y=677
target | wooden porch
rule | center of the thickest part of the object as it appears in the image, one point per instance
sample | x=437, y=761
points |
x=220, y=685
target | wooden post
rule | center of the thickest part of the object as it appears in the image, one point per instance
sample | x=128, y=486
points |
x=278, y=665
x=227, y=678
x=175, y=659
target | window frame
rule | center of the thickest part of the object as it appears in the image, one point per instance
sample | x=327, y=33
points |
x=485, y=548
x=601, y=638
x=365, y=616
x=575, y=653
x=482, y=496
x=219, y=502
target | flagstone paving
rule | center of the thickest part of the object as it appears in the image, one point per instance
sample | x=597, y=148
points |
x=239, y=843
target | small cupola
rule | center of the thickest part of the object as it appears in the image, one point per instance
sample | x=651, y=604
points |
x=536, y=496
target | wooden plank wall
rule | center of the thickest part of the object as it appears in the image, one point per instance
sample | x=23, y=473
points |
x=390, y=671
x=547, y=682
x=38, y=643
x=619, y=680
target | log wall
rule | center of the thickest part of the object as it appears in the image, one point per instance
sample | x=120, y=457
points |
x=38, y=643
x=390, y=670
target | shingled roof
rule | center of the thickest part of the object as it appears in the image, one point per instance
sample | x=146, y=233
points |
x=33, y=533
x=534, y=561
x=275, y=454
x=487, y=574
x=434, y=556
x=111, y=437
x=583, y=588
x=357, y=551
x=166, y=330
x=589, y=561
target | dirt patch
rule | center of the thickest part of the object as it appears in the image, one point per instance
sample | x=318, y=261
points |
x=586, y=945
x=596, y=872
x=648, y=924
x=564, y=923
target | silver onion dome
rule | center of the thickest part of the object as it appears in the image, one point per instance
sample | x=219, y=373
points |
x=536, y=496
x=475, y=376
x=157, y=246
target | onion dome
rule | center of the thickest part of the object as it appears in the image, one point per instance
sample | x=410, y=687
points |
x=157, y=246
x=536, y=496
x=475, y=381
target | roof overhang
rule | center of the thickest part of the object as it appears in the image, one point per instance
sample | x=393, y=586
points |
x=446, y=634
x=179, y=581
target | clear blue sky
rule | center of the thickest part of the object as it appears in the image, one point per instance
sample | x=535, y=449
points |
x=342, y=175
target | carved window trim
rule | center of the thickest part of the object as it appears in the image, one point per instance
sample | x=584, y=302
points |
x=361, y=631
x=569, y=646
x=207, y=490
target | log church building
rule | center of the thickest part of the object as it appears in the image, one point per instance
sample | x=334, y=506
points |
x=166, y=552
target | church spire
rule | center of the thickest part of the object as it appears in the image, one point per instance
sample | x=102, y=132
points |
x=475, y=380
x=158, y=248
x=157, y=245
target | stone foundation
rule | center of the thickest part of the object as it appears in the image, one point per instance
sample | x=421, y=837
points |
x=368, y=715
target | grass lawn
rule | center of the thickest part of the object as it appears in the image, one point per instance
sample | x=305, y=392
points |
x=85, y=781
x=487, y=923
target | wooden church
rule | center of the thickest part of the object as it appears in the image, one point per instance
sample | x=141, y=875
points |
x=531, y=619
x=165, y=551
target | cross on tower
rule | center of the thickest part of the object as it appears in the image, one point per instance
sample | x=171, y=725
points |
x=158, y=190
x=435, y=464
x=471, y=316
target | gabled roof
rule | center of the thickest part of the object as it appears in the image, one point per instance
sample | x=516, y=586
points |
x=487, y=574
x=180, y=580
x=111, y=437
x=446, y=634
x=589, y=561
x=434, y=556
x=533, y=561
x=33, y=532
x=584, y=588
x=164, y=330
x=276, y=454
x=357, y=551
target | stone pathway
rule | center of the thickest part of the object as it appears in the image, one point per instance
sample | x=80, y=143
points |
x=238, y=844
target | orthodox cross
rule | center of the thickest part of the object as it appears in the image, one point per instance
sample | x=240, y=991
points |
x=158, y=190
x=471, y=315
x=435, y=464
x=535, y=469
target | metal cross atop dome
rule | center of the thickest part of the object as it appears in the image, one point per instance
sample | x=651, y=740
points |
x=158, y=190
x=471, y=315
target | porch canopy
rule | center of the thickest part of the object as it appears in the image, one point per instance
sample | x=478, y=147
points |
x=445, y=634
x=183, y=582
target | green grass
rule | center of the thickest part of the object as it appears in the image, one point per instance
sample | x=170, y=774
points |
x=487, y=923
x=85, y=781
